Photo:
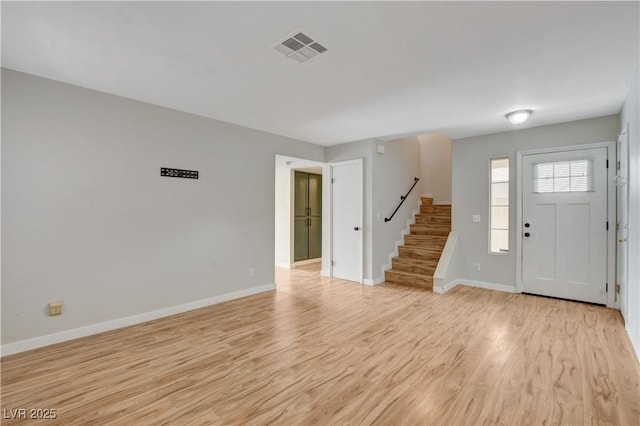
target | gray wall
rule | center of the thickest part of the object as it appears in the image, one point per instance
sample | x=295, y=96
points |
x=630, y=114
x=87, y=219
x=393, y=174
x=435, y=168
x=470, y=179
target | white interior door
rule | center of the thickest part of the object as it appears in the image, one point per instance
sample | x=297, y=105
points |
x=622, y=263
x=347, y=233
x=564, y=217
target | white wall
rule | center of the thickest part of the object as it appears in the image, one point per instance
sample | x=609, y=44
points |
x=87, y=219
x=630, y=114
x=471, y=188
x=283, y=233
x=435, y=168
x=393, y=175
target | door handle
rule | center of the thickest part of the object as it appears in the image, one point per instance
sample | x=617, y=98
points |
x=526, y=234
x=356, y=228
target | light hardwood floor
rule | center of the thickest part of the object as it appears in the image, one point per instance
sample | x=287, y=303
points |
x=324, y=351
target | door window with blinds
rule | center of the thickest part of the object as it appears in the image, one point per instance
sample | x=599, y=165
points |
x=566, y=176
x=499, y=214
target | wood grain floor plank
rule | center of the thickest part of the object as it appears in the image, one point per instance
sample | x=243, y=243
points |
x=326, y=351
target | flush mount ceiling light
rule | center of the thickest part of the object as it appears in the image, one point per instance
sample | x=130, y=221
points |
x=520, y=116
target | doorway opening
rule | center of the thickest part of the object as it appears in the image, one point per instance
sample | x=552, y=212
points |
x=307, y=211
x=300, y=213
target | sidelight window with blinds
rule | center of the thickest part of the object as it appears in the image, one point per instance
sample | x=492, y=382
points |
x=499, y=213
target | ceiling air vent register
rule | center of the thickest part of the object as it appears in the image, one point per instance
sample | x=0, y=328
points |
x=300, y=47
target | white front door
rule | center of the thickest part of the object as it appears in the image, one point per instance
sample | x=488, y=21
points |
x=623, y=217
x=564, y=217
x=347, y=233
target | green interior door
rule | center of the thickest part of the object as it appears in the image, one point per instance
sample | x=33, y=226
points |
x=307, y=216
x=315, y=216
x=301, y=220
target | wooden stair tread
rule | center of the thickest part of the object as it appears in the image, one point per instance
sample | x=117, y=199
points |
x=426, y=200
x=427, y=238
x=430, y=231
x=428, y=263
x=428, y=216
x=419, y=253
x=443, y=207
x=414, y=265
x=410, y=279
x=408, y=273
x=431, y=227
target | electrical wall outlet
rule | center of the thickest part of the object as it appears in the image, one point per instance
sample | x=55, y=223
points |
x=55, y=308
x=475, y=218
x=250, y=272
x=476, y=266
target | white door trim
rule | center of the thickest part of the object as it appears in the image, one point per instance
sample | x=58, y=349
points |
x=624, y=307
x=360, y=162
x=611, y=210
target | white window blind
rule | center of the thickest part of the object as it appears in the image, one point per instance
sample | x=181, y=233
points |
x=499, y=215
x=567, y=176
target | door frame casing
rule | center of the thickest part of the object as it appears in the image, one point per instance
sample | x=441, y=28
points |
x=331, y=165
x=611, y=210
x=623, y=302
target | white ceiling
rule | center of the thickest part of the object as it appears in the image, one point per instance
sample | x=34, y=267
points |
x=393, y=68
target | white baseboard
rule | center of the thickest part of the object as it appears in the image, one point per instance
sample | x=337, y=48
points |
x=634, y=344
x=374, y=281
x=283, y=265
x=445, y=288
x=306, y=262
x=63, y=336
x=325, y=273
x=473, y=283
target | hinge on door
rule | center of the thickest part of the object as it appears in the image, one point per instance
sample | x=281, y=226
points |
x=607, y=225
x=607, y=288
x=618, y=288
x=333, y=263
x=607, y=164
x=333, y=180
x=618, y=165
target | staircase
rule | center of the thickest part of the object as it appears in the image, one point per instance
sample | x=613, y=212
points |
x=418, y=257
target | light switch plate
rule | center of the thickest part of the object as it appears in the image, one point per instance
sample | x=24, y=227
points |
x=475, y=218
